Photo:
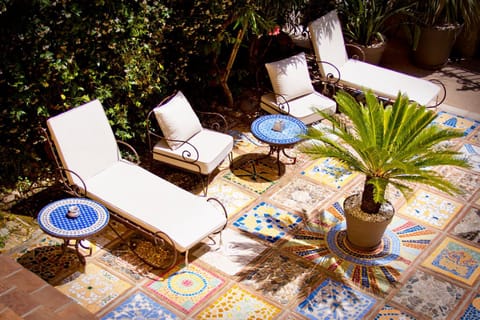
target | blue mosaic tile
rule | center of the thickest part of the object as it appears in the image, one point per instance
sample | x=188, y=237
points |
x=473, y=311
x=268, y=222
x=334, y=300
x=456, y=122
x=140, y=306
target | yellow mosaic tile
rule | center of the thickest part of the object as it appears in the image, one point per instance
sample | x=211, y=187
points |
x=94, y=288
x=237, y=303
x=233, y=198
x=329, y=172
x=432, y=209
x=455, y=260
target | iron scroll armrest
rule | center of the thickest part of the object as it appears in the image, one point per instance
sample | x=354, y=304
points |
x=223, y=209
x=356, y=52
x=213, y=120
x=444, y=93
x=132, y=149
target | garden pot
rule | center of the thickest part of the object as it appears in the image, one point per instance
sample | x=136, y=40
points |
x=372, y=54
x=435, y=45
x=364, y=230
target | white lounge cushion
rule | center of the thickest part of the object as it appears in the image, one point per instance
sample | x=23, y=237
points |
x=212, y=146
x=301, y=108
x=290, y=77
x=86, y=149
x=155, y=204
x=177, y=120
x=388, y=83
x=329, y=46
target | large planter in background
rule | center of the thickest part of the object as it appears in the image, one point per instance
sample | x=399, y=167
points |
x=371, y=54
x=365, y=231
x=434, y=46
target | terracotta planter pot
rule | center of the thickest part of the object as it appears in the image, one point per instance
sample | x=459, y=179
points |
x=435, y=45
x=365, y=231
x=372, y=54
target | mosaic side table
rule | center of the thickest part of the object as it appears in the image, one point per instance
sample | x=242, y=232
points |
x=58, y=220
x=279, y=131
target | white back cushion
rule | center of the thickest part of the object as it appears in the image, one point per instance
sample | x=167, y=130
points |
x=290, y=77
x=84, y=140
x=328, y=43
x=177, y=120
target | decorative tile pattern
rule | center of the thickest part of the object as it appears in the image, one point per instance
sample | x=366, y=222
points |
x=323, y=242
x=236, y=252
x=236, y=304
x=466, y=181
x=469, y=227
x=121, y=259
x=94, y=288
x=329, y=172
x=268, y=222
x=472, y=153
x=253, y=175
x=453, y=121
x=390, y=313
x=185, y=288
x=230, y=196
x=334, y=300
x=280, y=277
x=474, y=137
x=432, y=209
x=245, y=141
x=473, y=309
x=433, y=298
x=455, y=260
x=140, y=306
x=302, y=195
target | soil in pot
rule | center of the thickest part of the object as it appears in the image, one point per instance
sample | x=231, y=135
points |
x=364, y=230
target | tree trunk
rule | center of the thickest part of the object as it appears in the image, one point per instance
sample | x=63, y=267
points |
x=231, y=60
x=368, y=203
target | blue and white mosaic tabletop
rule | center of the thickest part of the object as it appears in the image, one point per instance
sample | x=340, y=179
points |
x=262, y=128
x=53, y=218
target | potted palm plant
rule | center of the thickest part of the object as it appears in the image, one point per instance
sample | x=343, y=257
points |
x=436, y=25
x=396, y=145
x=365, y=22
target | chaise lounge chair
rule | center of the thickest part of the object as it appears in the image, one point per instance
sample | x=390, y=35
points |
x=91, y=160
x=293, y=92
x=334, y=64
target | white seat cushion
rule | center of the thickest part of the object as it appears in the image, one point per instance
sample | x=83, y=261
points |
x=155, y=204
x=300, y=108
x=290, y=77
x=213, y=147
x=388, y=83
x=177, y=120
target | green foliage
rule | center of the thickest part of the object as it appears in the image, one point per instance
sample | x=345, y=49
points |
x=365, y=21
x=395, y=145
x=446, y=12
x=58, y=54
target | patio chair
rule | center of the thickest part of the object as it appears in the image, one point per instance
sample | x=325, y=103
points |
x=89, y=158
x=176, y=137
x=293, y=92
x=334, y=64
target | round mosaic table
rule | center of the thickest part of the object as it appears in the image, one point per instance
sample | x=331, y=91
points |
x=55, y=219
x=279, y=131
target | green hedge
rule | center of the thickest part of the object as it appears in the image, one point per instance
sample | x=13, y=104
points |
x=58, y=54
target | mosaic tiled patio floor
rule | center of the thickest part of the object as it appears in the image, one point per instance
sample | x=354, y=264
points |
x=284, y=255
